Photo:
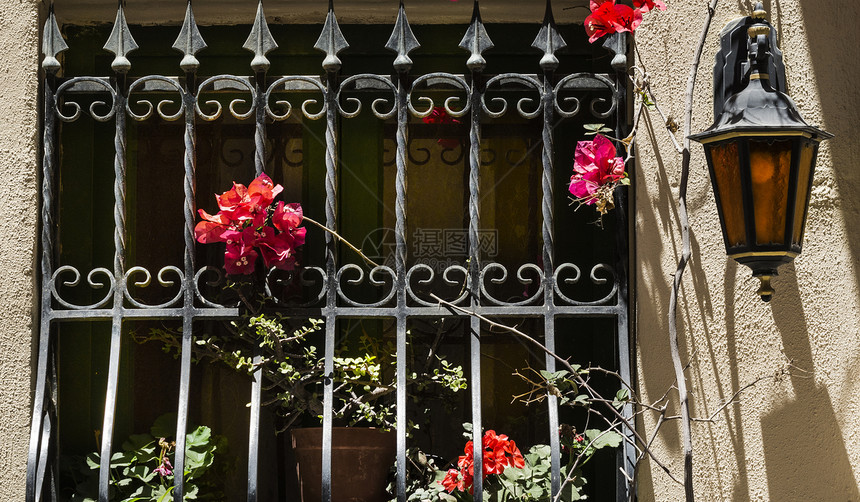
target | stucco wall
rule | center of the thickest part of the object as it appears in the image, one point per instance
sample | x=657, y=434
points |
x=18, y=193
x=795, y=437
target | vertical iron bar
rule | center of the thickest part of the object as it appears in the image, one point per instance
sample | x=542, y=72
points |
x=189, y=186
x=400, y=269
x=475, y=276
x=119, y=275
x=257, y=385
x=402, y=41
x=38, y=434
x=331, y=268
x=547, y=153
x=549, y=40
x=626, y=455
x=189, y=42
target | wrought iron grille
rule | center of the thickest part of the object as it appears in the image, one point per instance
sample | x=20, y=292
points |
x=548, y=301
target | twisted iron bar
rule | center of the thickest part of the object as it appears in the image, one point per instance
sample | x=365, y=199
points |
x=189, y=160
x=120, y=103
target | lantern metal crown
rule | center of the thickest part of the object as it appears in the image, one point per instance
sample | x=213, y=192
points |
x=760, y=152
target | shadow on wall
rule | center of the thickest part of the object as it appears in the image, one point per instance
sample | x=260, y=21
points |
x=655, y=221
x=804, y=447
x=804, y=450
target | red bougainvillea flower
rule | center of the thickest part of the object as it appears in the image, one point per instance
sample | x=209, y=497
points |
x=647, y=5
x=276, y=249
x=251, y=227
x=262, y=192
x=627, y=18
x=607, y=17
x=440, y=116
x=212, y=228
x=595, y=165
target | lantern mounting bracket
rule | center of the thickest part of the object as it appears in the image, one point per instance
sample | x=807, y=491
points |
x=732, y=68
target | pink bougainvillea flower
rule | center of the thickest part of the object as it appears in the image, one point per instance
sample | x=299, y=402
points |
x=251, y=227
x=287, y=216
x=440, y=116
x=595, y=165
x=261, y=192
x=239, y=261
x=233, y=198
x=647, y=5
x=276, y=249
x=212, y=228
x=240, y=256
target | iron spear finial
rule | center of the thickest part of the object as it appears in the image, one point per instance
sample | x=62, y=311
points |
x=120, y=42
x=189, y=42
x=402, y=41
x=260, y=41
x=52, y=43
x=476, y=40
x=331, y=41
x=548, y=40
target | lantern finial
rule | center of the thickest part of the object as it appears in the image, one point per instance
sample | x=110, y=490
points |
x=765, y=290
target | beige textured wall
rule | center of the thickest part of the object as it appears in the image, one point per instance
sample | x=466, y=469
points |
x=18, y=193
x=797, y=437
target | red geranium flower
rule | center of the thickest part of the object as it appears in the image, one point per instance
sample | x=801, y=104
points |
x=499, y=453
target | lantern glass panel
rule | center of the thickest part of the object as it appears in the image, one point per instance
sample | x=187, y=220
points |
x=726, y=164
x=804, y=178
x=770, y=166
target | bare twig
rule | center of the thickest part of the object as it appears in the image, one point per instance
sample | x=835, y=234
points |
x=682, y=262
x=341, y=239
x=578, y=378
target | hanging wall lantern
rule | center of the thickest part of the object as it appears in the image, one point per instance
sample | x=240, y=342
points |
x=761, y=153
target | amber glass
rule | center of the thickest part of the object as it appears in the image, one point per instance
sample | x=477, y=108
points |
x=804, y=177
x=725, y=161
x=770, y=164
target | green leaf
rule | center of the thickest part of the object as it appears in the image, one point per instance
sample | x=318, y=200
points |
x=93, y=461
x=164, y=426
x=200, y=436
x=166, y=496
x=621, y=398
x=595, y=128
x=599, y=439
x=513, y=473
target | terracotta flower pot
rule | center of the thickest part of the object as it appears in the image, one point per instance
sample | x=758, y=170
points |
x=361, y=458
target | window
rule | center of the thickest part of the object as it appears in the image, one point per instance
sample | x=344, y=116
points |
x=468, y=208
